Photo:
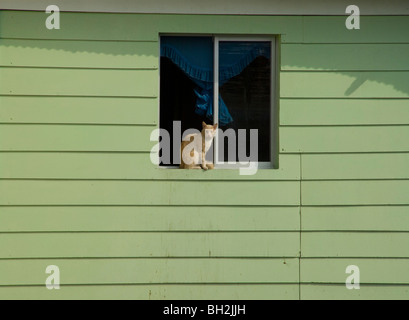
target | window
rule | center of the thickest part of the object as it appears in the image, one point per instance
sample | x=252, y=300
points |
x=229, y=81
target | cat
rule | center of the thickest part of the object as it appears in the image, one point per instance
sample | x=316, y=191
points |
x=195, y=146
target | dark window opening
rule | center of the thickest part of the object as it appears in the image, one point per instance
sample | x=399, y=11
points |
x=245, y=92
x=248, y=98
x=177, y=101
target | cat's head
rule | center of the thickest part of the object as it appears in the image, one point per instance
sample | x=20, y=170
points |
x=209, y=131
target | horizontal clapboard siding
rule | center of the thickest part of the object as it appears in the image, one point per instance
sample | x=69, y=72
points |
x=342, y=57
x=75, y=137
x=79, y=26
x=229, y=7
x=344, y=139
x=148, y=218
x=78, y=189
x=79, y=54
x=78, y=110
x=125, y=166
x=133, y=27
x=384, y=192
x=347, y=112
x=121, y=110
x=345, y=107
x=356, y=218
x=366, y=292
x=355, y=244
x=374, y=271
x=78, y=82
x=156, y=292
x=145, y=245
x=345, y=84
x=89, y=192
x=355, y=166
x=378, y=29
x=153, y=271
x=380, y=279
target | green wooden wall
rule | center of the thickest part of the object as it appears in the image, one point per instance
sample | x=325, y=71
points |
x=78, y=190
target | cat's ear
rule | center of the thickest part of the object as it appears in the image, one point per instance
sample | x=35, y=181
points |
x=215, y=126
x=204, y=125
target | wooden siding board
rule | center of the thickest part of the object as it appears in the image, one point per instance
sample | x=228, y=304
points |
x=142, y=218
x=343, y=84
x=382, y=29
x=150, y=245
x=344, y=57
x=156, y=292
x=54, y=165
x=348, y=112
x=152, y=271
x=79, y=82
x=355, y=166
x=78, y=26
x=132, y=27
x=382, y=192
x=199, y=193
x=290, y=27
x=105, y=204
x=78, y=110
x=75, y=138
x=344, y=139
x=79, y=54
x=372, y=271
x=215, y=7
x=355, y=244
x=355, y=218
x=367, y=292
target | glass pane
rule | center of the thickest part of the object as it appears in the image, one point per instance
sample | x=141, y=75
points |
x=245, y=96
x=186, y=72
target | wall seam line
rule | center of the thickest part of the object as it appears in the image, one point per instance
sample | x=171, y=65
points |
x=299, y=265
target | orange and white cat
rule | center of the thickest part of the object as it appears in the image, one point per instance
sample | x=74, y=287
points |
x=195, y=146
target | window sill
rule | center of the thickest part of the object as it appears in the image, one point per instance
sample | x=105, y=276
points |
x=222, y=174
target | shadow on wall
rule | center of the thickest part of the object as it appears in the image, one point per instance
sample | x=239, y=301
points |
x=78, y=54
x=357, y=70
x=314, y=70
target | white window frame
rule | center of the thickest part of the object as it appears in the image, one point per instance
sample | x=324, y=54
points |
x=273, y=164
x=217, y=40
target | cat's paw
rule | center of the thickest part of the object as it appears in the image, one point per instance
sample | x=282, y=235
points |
x=210, y=166
x=205, y=167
